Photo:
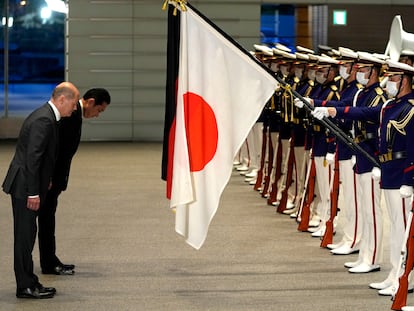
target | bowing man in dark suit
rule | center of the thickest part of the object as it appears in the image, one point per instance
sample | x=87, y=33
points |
x=28, y=179
x=91, y=105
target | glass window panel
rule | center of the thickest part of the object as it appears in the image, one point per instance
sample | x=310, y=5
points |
x=35, y=54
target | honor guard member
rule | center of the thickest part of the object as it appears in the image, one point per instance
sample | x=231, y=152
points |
x=285, y=62
x=313, y=88
x=297, y=140
x=298, y=133
x=397, y=162
x=254, y=138
x=368, y=190
x=264, y=54
x=396, y=156
x=273, y=124
x=349, y=211
x=325, y=76
x=244, y=152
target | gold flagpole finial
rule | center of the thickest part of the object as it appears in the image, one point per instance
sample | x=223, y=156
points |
x=176, y=3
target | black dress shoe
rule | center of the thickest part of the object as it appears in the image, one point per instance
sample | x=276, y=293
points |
x=70, y=267
x=46, y=289
x=35, y=292
x=59, y=270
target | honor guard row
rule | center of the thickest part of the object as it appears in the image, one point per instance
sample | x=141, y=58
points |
x=304, y=170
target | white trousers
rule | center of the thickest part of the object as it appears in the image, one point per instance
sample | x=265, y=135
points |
x=274, y=136
x=322, y=179
x=398, y=211
x=369, y=201
x=254, y=141
x=296, y=188
x=349, y=215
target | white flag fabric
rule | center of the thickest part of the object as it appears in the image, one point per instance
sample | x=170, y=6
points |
x=221, y=93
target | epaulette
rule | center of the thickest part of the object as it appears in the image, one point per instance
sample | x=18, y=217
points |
x=334, y=87
x=337, y=78
x=379, y=91
x=411, y=101
x=311, y=83
x=359, y=86
x=296, y=80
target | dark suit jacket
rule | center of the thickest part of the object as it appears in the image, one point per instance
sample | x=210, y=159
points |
x=70, y=130
x=31, y=169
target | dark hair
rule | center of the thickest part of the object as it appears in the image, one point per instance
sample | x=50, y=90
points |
x=99, y=94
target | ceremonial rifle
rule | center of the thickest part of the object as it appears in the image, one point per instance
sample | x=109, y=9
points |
x=266, y=183
x=406, y=261
x=278, y=172
x=288, y=179
x=329, y=230
x=310, y=194
x=331, y=126
x=259, y=179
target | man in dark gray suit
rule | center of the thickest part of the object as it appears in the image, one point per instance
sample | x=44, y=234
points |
x=28, y=179
x=92, y=103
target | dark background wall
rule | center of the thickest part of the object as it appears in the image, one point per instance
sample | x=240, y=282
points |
x=368, y=26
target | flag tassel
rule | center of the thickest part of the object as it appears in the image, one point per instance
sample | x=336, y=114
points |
x=176, y=3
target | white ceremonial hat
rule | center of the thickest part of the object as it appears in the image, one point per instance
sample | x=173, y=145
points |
x=380, y=56
x=327, y=61
x=342, y=49
x=347, y=54
x=301, y=57
x=407, y=52
x=282, y=47
x=304, y=50
x=366, y=59
x=263, y=49
x=398, y=68
x=335, y=52
x=313, y=58
x=324, y=48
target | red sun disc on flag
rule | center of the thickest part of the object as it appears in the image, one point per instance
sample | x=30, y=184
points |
x=201, y=130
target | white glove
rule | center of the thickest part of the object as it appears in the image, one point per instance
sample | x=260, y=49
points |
x=406, y=191
x=353, y=160
x=298, y=103
x=376, y=173
x=320, y=112
x=330, y=158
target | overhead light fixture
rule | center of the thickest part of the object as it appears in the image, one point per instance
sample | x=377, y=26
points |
x=10, y=22
x=45, y=13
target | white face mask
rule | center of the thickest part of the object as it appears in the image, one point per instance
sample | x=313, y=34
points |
x=284, y=71
x=360, y=76
x=299, y=72
x=274, y=67
x=311, y=74
x=343, y=72
x=391, y=88
x=320, y=77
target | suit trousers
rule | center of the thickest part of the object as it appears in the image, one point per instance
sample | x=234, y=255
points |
x=25, y=229
x=47, y=225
